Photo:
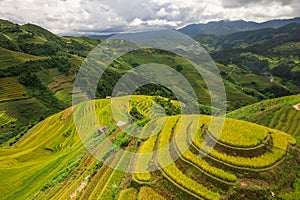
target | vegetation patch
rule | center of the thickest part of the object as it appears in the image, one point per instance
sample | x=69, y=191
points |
x=5, y=119
x=129, y=193
x=11, y=89
x=147, y=193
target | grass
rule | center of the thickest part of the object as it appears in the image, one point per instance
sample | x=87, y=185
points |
x=54, y=147
x=236, y=93
x=59, y=83
x=172, y=172
x=38, y=157
x=213, y=171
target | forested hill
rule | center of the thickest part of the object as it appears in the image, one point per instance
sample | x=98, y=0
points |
x=267, y=51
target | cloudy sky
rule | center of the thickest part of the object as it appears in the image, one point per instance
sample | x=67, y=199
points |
x=83, y=16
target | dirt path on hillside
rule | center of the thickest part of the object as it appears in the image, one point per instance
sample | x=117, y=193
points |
x=80, y=188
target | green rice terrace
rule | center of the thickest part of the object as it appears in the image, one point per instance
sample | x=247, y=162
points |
x=278, y=113
x=248, y=161
x=11, y=89
x=5, y=119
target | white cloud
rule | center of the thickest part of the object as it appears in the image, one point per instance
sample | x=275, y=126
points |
x=136, y=22
x=161, y=22
x=66, y=16
x=62, y=16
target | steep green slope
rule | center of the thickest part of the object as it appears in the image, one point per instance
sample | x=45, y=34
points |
x=50, y=161
x=44, y=63
x=267, y=38
x=10, y=58
x=264, y=63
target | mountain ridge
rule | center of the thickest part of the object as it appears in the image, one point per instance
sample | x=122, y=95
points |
x=224, y=27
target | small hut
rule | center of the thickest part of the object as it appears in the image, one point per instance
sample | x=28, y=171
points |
x=121, y=123
x=102, y=130
x=297, y=106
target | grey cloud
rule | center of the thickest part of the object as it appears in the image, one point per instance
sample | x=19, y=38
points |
x=133, y=8
x=109, y=30
x=247, y=3
x=65, y=16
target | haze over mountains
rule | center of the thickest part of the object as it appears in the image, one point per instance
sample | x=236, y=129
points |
x=226, y=27
x=218, y=28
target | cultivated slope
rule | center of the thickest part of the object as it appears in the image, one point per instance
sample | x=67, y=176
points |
x=276, y=113
x=50, y=161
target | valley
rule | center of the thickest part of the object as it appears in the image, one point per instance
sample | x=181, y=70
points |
x=52, y=149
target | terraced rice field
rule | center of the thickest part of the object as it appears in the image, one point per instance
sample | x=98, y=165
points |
x=64, y=97
x=11, y=89
x=144, y=106
x=53, y=162
x=274, y=113
x=12, y=58
x=130, y=193
x=57, y=81
x=23, y=110
x=5, y=119
x=147, y=193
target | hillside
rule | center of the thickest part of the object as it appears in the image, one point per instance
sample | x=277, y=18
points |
x=50, y=161
x=38, y=69
x=268, y=39
x=227, y=27
x=279, y=114
x=276, y=113
x=52, y=61
x=268, y=52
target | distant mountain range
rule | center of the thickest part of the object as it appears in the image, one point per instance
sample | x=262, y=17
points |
x=265, y=38
x=227, y=27
x=218, y=28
